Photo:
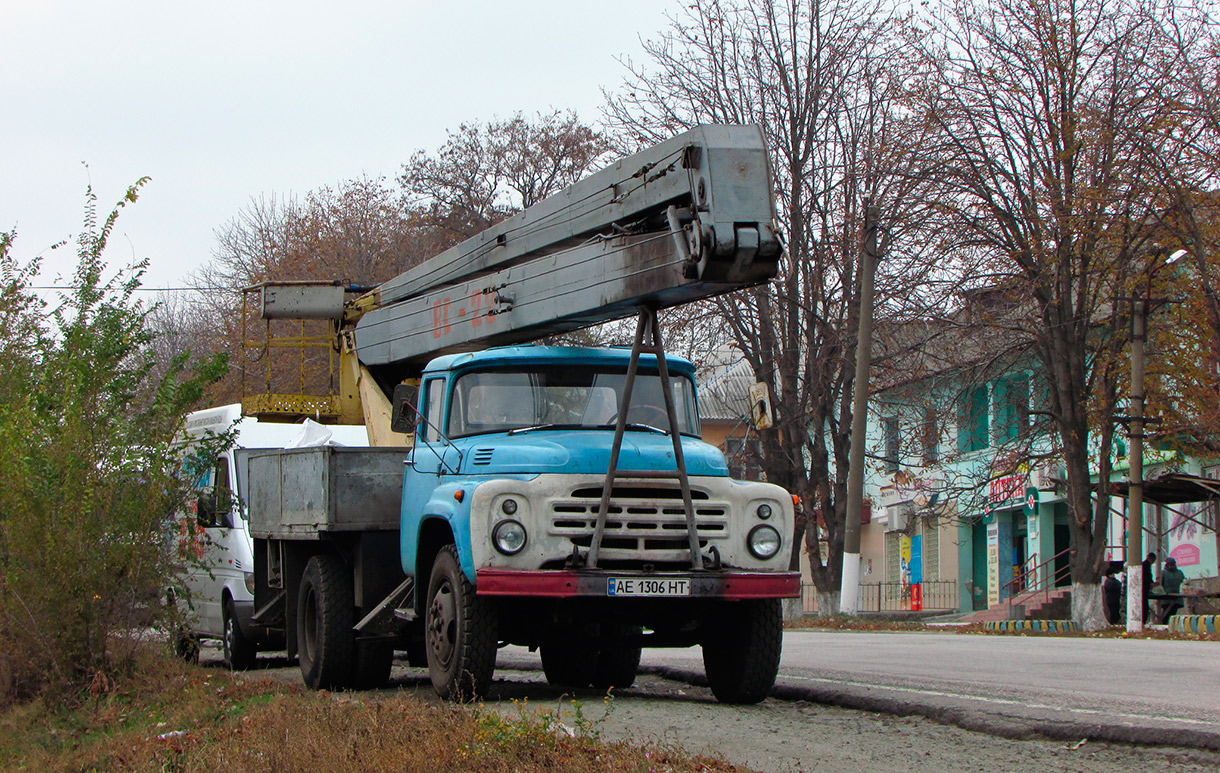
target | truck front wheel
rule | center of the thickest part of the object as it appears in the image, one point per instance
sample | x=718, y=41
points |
x=741, y=653
x=460, y=631
x=325, y=643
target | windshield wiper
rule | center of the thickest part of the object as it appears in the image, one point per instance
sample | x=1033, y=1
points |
x=538, y=427
x=638, y=427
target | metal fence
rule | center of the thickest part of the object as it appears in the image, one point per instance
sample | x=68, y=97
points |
x=938, y=596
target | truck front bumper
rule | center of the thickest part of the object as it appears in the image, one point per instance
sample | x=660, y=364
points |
x=608, y=584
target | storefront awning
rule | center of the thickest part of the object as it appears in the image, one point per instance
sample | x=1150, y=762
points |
x=1172, y=488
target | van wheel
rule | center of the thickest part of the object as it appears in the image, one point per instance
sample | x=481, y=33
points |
x=186, y=645
x=240, y=652
x=325, y=643
x=460, y=630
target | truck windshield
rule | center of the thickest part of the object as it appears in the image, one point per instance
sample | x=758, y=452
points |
x=567, y=397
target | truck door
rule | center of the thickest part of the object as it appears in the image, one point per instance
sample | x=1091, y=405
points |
x=426, y=465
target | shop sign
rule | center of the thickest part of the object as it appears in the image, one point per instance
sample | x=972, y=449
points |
x=1001, y=490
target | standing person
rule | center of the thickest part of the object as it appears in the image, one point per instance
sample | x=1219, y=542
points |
x=1171, y=584
x=1147, y=582
x=1111, y=594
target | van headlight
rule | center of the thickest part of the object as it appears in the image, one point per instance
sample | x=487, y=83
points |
x=764, y=542
x=508, y=537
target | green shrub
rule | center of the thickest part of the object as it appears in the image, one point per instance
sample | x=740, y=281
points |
x=89, y=475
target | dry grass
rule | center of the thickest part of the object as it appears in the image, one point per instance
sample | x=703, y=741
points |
x=183, y=718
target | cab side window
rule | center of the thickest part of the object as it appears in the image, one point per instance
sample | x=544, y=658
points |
x=216, y=501
x=434, y=403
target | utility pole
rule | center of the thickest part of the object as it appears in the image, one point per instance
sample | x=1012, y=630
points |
x=1136, y=422
x=849, y=589
x=1135, y=471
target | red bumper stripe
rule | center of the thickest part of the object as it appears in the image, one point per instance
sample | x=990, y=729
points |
x=565, y=583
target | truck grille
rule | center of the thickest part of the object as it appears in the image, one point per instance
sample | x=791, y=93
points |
x=643, y=523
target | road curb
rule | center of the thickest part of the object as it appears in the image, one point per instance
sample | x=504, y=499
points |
x=1194, y=623
x=1057, y=728
x=1014, y=626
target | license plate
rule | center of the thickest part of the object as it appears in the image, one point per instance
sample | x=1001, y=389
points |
x=639, y=586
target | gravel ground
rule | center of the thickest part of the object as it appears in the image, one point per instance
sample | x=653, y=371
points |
x=779, y=735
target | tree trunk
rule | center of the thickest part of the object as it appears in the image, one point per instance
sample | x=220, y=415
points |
x=1087, y=608
x=828, y=602
x=794, y=609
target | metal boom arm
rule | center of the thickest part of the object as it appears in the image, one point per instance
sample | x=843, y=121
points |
x=687, y=219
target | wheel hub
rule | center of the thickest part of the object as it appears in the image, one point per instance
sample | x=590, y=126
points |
x=442, y=625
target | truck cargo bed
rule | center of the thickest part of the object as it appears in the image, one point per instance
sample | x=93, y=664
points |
x=302, y=493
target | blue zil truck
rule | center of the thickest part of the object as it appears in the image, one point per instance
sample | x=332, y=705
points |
x=558, y=498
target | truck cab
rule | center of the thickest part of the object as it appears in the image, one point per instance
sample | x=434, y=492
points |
x=505, y=485
x=513, y=446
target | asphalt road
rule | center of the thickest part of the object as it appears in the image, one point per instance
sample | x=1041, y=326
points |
x=1145, y=691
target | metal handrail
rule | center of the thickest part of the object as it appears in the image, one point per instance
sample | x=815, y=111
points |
x=1051, y=579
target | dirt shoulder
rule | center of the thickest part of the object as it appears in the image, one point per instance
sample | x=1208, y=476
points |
x=780, y=734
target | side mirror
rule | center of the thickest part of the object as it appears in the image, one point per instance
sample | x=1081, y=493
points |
x=404, y=415
x=760, y=407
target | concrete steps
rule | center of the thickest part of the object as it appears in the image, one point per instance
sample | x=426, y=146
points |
x=1037, y=605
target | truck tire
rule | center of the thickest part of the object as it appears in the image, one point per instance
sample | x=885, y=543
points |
x=567, y=666
x=741, y=653
x=374, y=659
x=240, y=652
x=618, y=663
x=460, y=630
x=325, y=642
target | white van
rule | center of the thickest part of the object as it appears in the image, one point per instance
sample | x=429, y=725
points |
x=215, y=536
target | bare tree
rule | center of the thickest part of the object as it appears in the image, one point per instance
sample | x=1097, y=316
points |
x=1040, y=103
x=1186, y=144
x=483, y=174
x=826, y=82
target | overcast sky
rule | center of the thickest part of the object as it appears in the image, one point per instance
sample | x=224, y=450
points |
x=222, y=102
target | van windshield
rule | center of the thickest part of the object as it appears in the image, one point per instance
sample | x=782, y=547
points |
x=565, y=397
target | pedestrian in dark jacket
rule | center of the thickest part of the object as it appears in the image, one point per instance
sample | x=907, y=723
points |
x=1171, y=584
x=1111, y=595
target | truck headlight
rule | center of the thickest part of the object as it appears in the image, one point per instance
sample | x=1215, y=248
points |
x=250, y=581
x=508, y=537
x=764, y=511
x=764, y=542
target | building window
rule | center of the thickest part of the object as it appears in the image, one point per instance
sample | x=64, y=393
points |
x=744, y=457
x=972, y=420
x=893, y=568
x=889, y=429
x=930, y=441
x=1012, y=408
x=931, y=548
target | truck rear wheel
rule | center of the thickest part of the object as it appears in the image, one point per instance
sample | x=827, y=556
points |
x=325, y=642
x=374, y=660
x=460, y=631
x=741, y=654
x=566, y=665
x=618, y=662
